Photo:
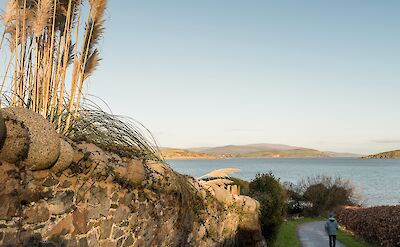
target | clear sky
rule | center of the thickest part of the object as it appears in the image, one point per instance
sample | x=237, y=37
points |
x=319, y=74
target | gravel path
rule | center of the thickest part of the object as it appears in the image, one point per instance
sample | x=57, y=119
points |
x=313, y=235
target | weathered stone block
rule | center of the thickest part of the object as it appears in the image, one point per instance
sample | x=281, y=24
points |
x=80, y=221
x=117, y=232
x=37, y=213
x=9, y=207
x=121, y=214
x=133, y=172
x=50, y=181
x=16, y=144
x=61, y=202
x=44, y=147
x=105, y=229
x=63, y=227
x=65, y=158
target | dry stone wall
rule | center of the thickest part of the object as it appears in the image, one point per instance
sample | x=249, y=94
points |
x=90, y=197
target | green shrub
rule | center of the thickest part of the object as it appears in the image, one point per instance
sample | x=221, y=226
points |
x=296, y=202
x=316, y=196
x=272, y=197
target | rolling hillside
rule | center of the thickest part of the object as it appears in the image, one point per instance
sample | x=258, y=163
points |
x=176, y=153
x=243, y=149
x=292, y=153
x=261, y=150
x=395, y=154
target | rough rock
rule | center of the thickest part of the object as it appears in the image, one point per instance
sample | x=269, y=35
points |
x=16, y=144
x=44, y=142
x=61, y=202
x=222, y=195
x=96, y=154
x=37, y=214
x=63, y=227
x=133, y=172
x=65, y=158
x=79, y=207
x=2, y=131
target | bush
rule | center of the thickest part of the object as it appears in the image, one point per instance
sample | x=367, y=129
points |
x=272, y=197
x=296, y=202
x=378, y=225
x=316, y=196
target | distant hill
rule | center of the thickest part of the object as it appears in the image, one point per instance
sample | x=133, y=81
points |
x=395, y=154
x=267, y=150
x=291, y=153
x=242, y=149
x=343, y=155
x=176, y=153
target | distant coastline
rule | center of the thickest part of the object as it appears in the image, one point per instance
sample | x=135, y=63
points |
x=395, y=154
x=249, y=151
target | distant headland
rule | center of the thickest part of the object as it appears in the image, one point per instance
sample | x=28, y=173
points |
x=260, y=150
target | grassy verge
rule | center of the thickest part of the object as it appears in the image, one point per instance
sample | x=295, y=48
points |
x=349, y=241
x=287, y=235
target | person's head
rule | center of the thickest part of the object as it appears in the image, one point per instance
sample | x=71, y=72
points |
x=331, y=215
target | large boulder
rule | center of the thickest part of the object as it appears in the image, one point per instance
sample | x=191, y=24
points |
x=65, y=159
x=44, y=142
x=16, y=141
x=133, y=172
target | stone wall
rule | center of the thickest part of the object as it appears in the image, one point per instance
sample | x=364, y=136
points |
x=102, y=199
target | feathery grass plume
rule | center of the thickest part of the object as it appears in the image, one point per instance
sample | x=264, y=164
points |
x=219, y=173
x=91, y=64
x=47, y=46
x=10, y=12
x=42, y=16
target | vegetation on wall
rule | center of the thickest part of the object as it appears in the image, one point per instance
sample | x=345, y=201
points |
x=52, y=48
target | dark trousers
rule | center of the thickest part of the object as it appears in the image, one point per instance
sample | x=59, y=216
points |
x=332, y=240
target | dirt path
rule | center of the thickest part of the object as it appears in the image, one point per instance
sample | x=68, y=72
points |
x=313, y=235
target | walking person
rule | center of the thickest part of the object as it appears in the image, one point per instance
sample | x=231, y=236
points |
x=331, y=227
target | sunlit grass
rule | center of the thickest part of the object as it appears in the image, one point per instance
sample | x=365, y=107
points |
x=287, y=235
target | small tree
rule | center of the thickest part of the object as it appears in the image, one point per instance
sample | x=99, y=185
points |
x=267, y=189
x=316, y=196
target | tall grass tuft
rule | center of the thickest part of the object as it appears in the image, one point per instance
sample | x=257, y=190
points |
x=52, y=48
x=117, y=134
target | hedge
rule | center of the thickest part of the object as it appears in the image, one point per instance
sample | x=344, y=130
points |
x=379, y=225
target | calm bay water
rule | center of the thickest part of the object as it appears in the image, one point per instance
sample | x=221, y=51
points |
x=378, y=180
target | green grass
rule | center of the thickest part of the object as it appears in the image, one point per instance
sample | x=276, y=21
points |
x=349, y=241
x=287, y=235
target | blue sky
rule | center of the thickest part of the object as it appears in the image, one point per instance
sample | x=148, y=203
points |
x=320, y=74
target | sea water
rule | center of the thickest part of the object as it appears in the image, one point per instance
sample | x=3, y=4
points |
x=378, y=180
